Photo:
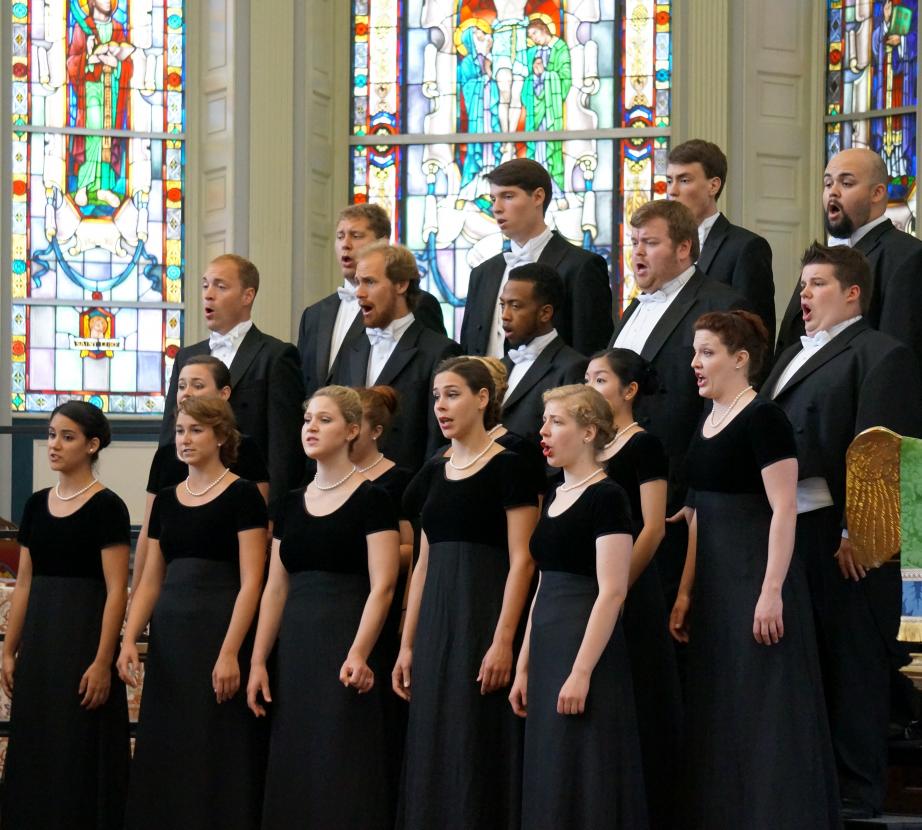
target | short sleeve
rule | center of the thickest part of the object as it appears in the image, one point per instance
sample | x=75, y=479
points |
x=250, y=509
x=771, y=435
x=292, y=500
x=153, y=524
x=250, y=462
x=113, y=524
x=611, y=510
x=378, y=510
x=28, y=516
x=650, y=460
x=519, y=487
x=415, y=493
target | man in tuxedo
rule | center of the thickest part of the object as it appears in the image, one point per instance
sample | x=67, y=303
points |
x=854, y=201
x=695, y=176
x=267, y=392
x=396, y=350
x=335, y=320
x=659, y=326
x=538, y=359
x=521, y=192
x=843, y=377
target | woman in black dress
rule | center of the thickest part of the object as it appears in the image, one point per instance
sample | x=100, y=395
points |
x=335, y=559
x=67, y=759
x=582, y=766
x=759, y=753
x=636, y=460
x=462, y=766
x=201, y=376
x=199, y=756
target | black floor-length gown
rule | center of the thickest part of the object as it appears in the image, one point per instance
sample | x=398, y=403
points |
x=759, y=751
x=197, y=763
x=654, y=670
x=582, y=772
x=66, y=767
x=328, y=754
x=462, y=767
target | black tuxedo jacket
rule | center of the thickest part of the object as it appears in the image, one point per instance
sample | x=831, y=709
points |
x=414, y=433
x=315, y=335
x=584, y=322
x=523, y=408
x=896, y=298
x=862, y=379
x=672, y=414
x=267, y=396
x=743, y=260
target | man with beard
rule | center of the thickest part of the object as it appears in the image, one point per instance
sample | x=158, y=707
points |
x=854, y=201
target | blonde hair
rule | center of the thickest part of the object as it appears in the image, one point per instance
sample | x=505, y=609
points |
x=347, y=400
x=217, y=414
x=588, y=408
x=399, y=266
x=498, y=372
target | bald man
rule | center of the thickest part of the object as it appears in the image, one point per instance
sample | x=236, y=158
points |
x=854, y=201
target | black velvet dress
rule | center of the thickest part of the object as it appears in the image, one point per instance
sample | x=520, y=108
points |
x=759, y=752
x=166, y=470
x=66, y=767
x=197, y=763
x=462, y=767
x=580, y=771
x=657, y=691
x=328, y=760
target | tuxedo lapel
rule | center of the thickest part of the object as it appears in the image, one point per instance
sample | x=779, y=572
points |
x=554, y=251
x=831, y=350
x=713, y=242
x=356, y=355
x=493, y=270
x=403, y=353
x=249, y=348
x=328, y=312
x=535, y=372
x=674, y=314
x=873, y=237
x=354, y=333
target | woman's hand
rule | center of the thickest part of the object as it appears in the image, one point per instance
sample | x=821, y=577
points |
x=257, y=685
x=518, y=697
x=573, y=693
x=496, y=668
x=768, y=622
x=678, y=619
x=95, y=685
x=400, y=676
x=128, y=664
x=7, y=670
x=225, y=678
x=355, y=672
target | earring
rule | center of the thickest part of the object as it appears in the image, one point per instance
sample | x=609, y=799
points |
x=219, y=444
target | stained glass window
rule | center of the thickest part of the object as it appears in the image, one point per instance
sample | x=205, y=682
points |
x=445, y=90
x=871, y=100
x=98, y=122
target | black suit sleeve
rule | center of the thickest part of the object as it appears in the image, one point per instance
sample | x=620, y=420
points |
x=169, y=407
x=284, y=416
x=429, y=313
x=435, y=439
x=890, y=395
x=576, y=372
x=752, y=277
x=589, y=324
x=470, y=310
x=304, y=345
x=902, y=304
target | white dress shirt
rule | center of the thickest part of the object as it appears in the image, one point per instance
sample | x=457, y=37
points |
x=705, y=228
x=524, y=357
x=225, y=346
x=650, y=309
x=383, y=342
x=812, y=493
x=518, y=255
x=345, y=314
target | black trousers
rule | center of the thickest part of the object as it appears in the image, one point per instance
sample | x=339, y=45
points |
x=856, y=624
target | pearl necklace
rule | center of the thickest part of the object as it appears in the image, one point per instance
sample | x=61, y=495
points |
x=618, y=434
x=214, y=483
x=343, y=480
x=374, y=463
x=57, y=490
x=729, y=409
x=566, y=488
x=494, y=429
x=473, y=461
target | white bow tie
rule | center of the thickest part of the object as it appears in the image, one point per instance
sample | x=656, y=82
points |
x=346, y=293
x=522, y=354
x=516, y=258
x=379, y=336
x=820, y=339
x=655, y=297
x=221, y=341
